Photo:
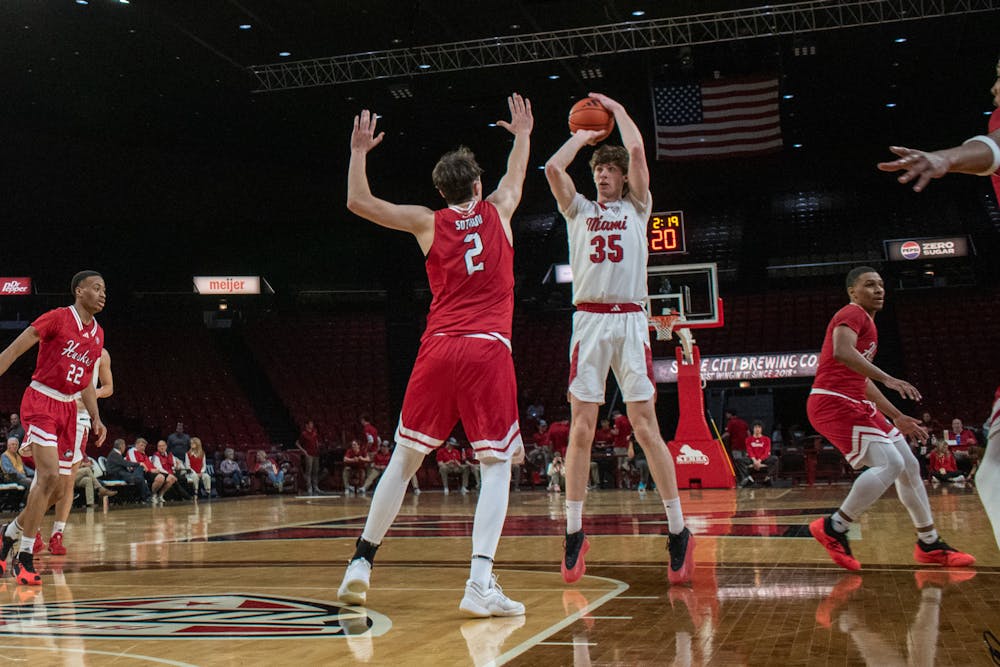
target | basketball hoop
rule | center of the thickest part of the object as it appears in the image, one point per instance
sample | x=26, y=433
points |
x=664, y=325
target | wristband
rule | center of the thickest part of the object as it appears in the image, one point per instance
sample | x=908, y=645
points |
x=982, y=138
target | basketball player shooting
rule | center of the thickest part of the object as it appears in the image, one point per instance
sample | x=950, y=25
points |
x=464, y=368
x=848, y=409
x=608, y=255
x=70, y=342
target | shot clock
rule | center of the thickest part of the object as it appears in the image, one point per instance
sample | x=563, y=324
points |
x=665, y=233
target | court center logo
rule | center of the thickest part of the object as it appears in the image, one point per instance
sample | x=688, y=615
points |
x=229, y=616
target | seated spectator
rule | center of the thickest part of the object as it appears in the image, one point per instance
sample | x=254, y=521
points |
x=556, y=473
x=15, y=430
x=230, y=470
x=268, y=468
x=356, y=462
x=167, y=465
x=449, y=460
x=621, y=428
x=601, y=464
x=559, y=437
x=194, y=462
x=14, y=469
x=637, y=457
x=966, y=448
x=758, y=455
x=86, y=479
x=941, y=462
x=158, y=482
x=118, y=467
x=380, y=461
x=470, y=461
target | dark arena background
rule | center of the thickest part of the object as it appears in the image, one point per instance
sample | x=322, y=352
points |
x=158, y=141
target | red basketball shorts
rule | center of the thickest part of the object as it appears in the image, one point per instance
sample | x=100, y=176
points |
x=50, y=423
x=467, y=378
x=849, y=424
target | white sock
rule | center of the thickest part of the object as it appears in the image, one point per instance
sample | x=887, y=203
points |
x=675, y=518
x=574, y=516
x=928, y=537
x=491, y=510
x=13, y=528
x=386, y=503
x=27, y=544
x=58, y=527
x=840, y=524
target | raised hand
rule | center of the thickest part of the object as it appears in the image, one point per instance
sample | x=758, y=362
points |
x=905, y=389
x=521, y=119
x=608, y=103
x=910, y=426
x=590, y=136
x=363, y=138
x=917, y=164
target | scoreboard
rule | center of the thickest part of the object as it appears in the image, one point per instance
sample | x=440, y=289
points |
x=665, y=233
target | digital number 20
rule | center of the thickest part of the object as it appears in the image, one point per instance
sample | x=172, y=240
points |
x=606, y=248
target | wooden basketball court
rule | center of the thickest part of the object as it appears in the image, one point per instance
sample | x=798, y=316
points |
x=253, y=581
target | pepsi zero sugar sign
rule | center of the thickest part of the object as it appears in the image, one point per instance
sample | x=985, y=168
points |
x=901, y=250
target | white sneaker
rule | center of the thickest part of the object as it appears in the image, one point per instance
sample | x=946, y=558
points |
x=960, y=478
x=355, y=586
x=485, y=637
x=464, y=490
x=490, y=602
x=446, y=490
x=416, y=492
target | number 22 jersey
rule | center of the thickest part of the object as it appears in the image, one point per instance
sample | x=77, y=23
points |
x=68, y=350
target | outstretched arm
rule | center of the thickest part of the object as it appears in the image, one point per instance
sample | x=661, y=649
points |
x=979, y=156
x=559, y=180
x=908, y=426
x=508, y=193
x=21, y=344
x=417, y=220
x=638, y=170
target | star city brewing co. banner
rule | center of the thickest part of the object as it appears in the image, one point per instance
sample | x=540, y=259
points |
x=898, y=250
x=744, y=367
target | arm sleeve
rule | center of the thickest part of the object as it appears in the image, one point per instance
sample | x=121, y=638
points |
x=45, y=325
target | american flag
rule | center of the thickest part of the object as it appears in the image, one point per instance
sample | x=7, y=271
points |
x=716, y=119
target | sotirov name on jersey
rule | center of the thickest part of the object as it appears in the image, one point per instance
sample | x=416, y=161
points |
x=598, y=225
x=468, y=223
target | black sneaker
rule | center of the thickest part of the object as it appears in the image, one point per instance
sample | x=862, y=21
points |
x=681, y=548
x=5, y=549
x=573, y=566
x=24, y=570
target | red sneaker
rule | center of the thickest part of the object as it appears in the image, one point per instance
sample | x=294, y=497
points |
x=573, y=567
x=575, y=601
x=56, y=546
x=941, y=578
x=24, y=570
x=39, y=546
x=681, y=549
x=940, y=553
x=835, y=543
x=840, y=594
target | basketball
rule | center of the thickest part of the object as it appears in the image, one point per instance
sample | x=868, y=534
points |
x=589, y=114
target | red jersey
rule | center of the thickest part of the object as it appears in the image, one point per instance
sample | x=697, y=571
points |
x=135, y=456
x=445, y=455
x=624, y=428
x=67, y=350
x=833, y=376
x=195, y=463
x=994, y=126
x=938, y=461
x=738, y=430
x=603, y=436
x=559, y=436
x=469, y=456
x=165, y=461
x=310, y=441
x=371, y=435
x=470, y=268
x=758, y=447
x=382, y=460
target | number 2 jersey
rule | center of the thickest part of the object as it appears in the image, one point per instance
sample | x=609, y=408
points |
x=68, y=350
x=470, y=267
x=607, y=249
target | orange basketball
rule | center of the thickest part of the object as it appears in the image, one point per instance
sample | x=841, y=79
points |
x=589, y=114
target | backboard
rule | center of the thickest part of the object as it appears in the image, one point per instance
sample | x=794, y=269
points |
x=691, y=290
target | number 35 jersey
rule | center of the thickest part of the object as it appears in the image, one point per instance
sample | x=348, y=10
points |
x=607, y=249
x=470, y=268
x=68, y=350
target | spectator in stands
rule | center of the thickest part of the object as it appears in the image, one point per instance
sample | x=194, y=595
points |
x=966, y=447
x=356, y=461
x=308, y=444
x=556, y=473
x=638, y=459
x=543, y=439
x=194, y=462
x=470, y=461
x=559, y=437
x=14, y=469
x=230, y=470
x=777, y=438
x=170, y=467
x=86, y=479
x=602, y=465
x=622, y=429
x=268, y=468
x=179, y=442
x=942, y=464
x=158, y=483
x=604, y=436
x=118, y=467
x=15, y=430
x=535, y=411
x=735, y=435
x=370, y=433
x=930, y=424
x=758, y=455
x=449, y=460
x=380, y=461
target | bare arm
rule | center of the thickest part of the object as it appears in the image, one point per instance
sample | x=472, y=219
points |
x=417, y=220
x=508, y=193
x=844, y=351
x=908, y=426
x=21, y=344
x=104, y=376
x=973, y=157
x=560, y=183
x=638, y=170
x=89, y=396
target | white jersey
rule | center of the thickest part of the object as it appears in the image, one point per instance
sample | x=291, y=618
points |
x=82, y=416
x=607, y=249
